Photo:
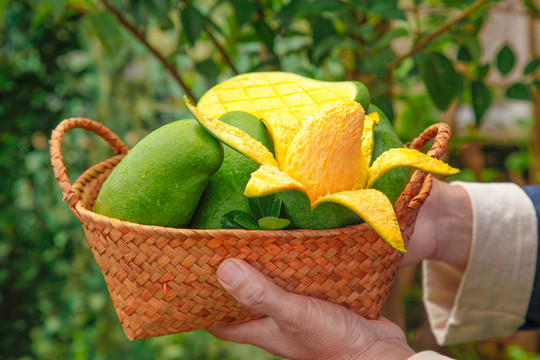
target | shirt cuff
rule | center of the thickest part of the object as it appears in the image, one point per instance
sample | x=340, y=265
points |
x=428, y=355
x=490, y=298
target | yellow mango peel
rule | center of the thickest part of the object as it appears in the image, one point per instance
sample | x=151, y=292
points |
x=393, y=158
x=376, y=210
x=327, y=157
x=234, y=137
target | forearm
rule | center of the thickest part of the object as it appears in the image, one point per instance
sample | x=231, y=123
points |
x=489, y=295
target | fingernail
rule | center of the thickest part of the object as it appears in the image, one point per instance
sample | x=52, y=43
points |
x=230, y=273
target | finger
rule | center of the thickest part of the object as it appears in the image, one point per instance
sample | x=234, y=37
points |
x=263, y=333
x=254, y=290
x=249, y=332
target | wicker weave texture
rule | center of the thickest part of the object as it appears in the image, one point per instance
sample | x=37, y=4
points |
x=163, y=280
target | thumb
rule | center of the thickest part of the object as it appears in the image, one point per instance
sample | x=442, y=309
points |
x=247, y=285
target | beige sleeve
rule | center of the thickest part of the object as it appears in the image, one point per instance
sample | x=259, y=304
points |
x=428, y=355
x=490, y=298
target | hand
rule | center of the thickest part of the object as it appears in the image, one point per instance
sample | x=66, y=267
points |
x=443, y=229
x=301, y=327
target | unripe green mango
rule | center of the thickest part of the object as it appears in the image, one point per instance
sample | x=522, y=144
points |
x=362, y=95
x=160, y=181
x=385, y=137
x=225, y=191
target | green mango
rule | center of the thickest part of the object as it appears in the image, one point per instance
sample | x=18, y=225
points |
x=225, y=191
x=362, y=95
x=160, y=181
x=385, y=137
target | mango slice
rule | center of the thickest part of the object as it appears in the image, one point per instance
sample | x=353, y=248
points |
x=368, y=137
x=268, y=180
x=375, y=209
x=326, y=153
x=394, y=158
x=282, y=127
x=234, y=137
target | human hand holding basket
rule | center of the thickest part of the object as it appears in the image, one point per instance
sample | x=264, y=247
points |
x=163, y=280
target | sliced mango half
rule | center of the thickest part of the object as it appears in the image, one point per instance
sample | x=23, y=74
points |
x=260, y=93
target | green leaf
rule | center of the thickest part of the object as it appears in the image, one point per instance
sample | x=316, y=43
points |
x=390, y=35
x=58, y=7
x=265, y=34
x=273, y=223
x=517, y=161
x=276, y=208
x=387, y=9
x=536, y=84
x=481, y=99
x=107, y=30
x=261, y=206
x=519, y=91
x=3, y=5
x=532, y=66
x=243, y=11
x=246, y=221
x=482, y=71
x=442, y=81
x=322, y=28
x=237, y=219
x=289, y=12
x=321, y=49
x=208, y=69
x=532, y=7
x=192, y=22
x=505, y=60
x=255, y=207
x=464, y=54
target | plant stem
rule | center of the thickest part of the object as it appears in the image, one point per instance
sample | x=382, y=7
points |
x=441, y=30
x=220, y=49
x=140, y=36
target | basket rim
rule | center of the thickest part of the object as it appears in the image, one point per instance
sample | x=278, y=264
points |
x=410, y=200
x=89, y=176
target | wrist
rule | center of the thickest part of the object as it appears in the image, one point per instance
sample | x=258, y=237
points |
x=391, y=350
x=454, y=224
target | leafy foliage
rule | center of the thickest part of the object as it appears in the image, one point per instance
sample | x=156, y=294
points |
x=67, y=58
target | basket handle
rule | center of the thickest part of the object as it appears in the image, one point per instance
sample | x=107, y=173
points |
x=420, y=181
x=57, y=159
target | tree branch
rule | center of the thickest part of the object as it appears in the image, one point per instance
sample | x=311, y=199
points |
x=140, y=36
x=220, y=49
x=442, y=29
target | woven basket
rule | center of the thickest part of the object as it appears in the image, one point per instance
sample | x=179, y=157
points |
x=163, y=280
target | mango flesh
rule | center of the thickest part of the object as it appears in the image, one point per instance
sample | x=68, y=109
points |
x=225, y=191
x=324, y=155
x=262, y=93
x=327, y=215
x=160, y=181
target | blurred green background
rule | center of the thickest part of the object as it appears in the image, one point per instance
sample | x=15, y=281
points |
x=127, y=64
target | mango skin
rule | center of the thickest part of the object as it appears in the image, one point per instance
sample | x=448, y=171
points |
x=362, y=95
x=225, y=191
x=385, y=137
x=160, y=181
